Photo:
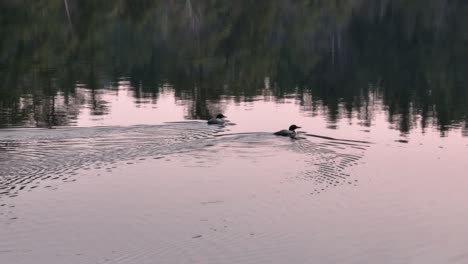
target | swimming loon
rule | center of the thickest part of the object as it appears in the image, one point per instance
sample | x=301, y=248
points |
x=290, y=132
x=218, y=120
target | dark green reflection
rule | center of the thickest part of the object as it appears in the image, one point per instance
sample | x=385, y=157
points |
x=411, y=55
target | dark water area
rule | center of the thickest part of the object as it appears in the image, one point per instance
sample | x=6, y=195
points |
x=333, y=55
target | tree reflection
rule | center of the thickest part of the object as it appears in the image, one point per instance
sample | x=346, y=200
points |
x=409, y=55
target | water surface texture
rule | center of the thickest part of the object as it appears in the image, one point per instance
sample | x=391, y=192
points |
x=106, y=156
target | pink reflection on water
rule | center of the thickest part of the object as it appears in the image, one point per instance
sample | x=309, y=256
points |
x=408, y=204
x=123, y=111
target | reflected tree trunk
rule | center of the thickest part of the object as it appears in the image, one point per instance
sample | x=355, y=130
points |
x=68, y=14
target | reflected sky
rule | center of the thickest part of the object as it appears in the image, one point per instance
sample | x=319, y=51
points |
x=262, y=113
x=252, y=197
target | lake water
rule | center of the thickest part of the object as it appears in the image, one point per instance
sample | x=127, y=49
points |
x=106, y=156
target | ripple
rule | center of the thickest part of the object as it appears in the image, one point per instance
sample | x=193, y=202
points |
x=329, y=160
x=27, y=156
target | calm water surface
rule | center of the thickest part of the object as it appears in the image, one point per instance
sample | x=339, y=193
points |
x=106, y=157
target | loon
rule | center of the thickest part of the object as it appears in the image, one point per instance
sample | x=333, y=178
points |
x=291, y=132
x=218, y=120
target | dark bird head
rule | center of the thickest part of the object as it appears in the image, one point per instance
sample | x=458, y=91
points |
x=293, y=127
x=220, y=116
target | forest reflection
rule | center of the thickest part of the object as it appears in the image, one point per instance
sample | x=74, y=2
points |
x=408, y=56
